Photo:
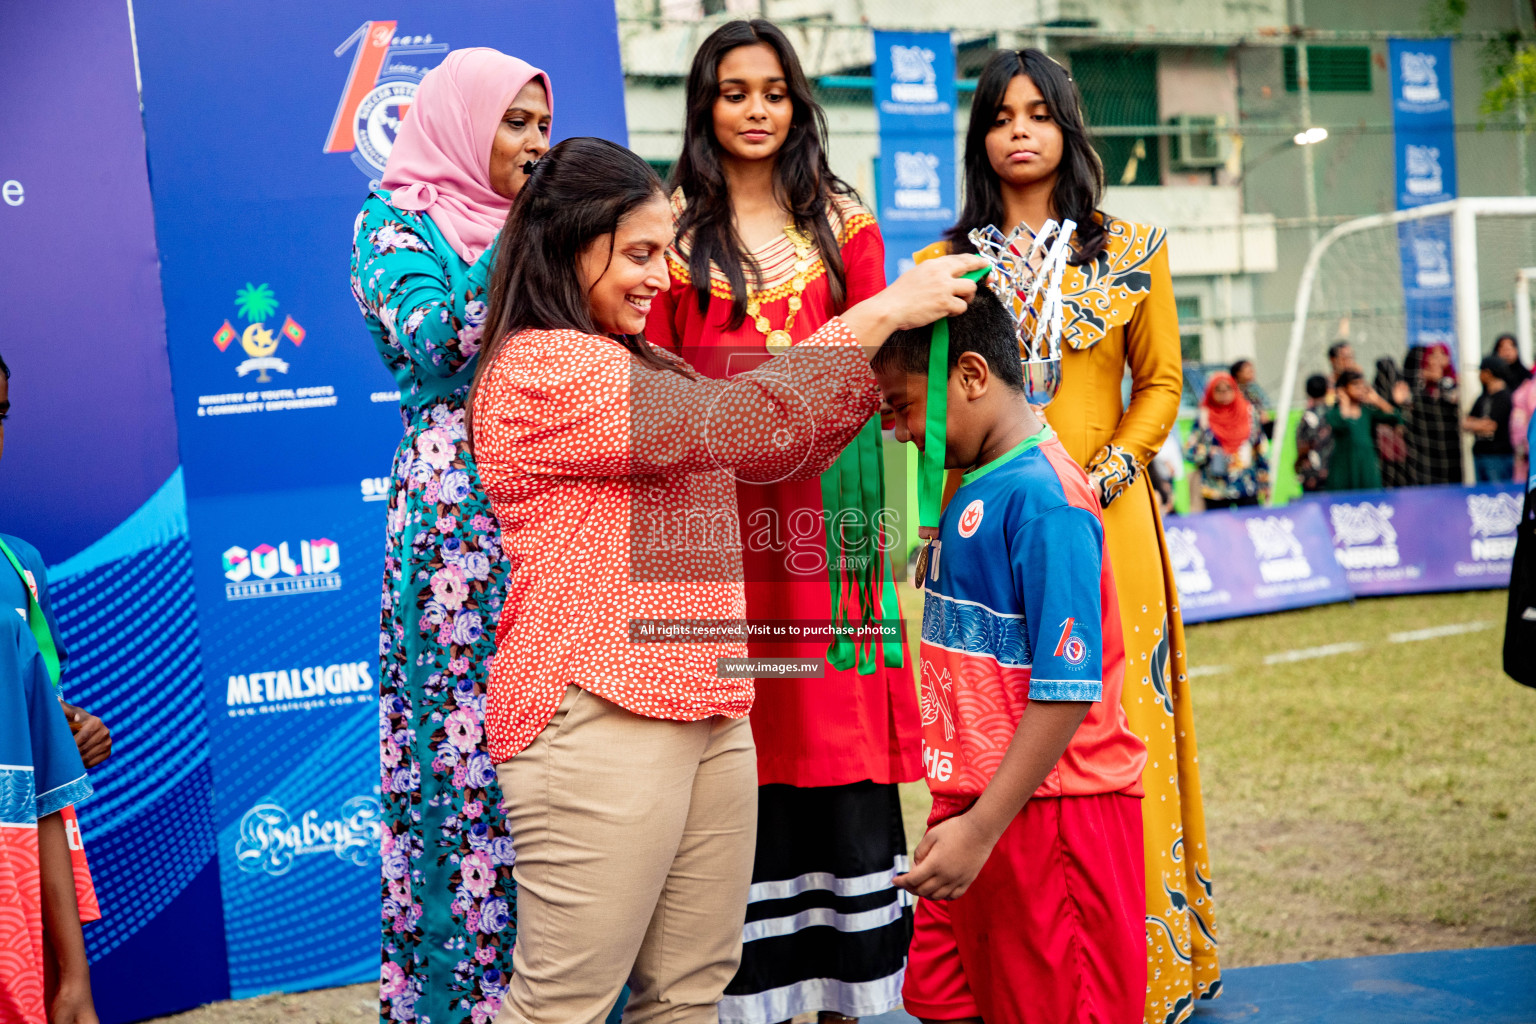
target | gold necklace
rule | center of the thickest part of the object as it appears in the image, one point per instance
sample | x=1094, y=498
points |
x=779, y=341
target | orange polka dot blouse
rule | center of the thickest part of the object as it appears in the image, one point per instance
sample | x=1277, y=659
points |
x=614, y=484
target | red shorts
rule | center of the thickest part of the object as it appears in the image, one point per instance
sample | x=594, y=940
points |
x=1051, y=932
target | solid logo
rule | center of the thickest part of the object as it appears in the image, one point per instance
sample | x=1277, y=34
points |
x=267, y=571
x=256, y=304
x=270, y=838
x=970, y=519
x=380, y=88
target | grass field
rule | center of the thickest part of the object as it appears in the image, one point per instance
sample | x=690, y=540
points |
x=1374, y=800
x=1370, y=801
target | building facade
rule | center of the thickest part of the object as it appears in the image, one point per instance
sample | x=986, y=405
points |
x=1196, y=106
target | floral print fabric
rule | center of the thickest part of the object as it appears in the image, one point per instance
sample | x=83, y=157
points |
x=448, y=898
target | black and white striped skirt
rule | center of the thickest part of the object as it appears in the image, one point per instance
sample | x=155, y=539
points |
x=826, y=929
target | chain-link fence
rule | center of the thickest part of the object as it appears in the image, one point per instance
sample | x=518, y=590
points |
x=1205, y=136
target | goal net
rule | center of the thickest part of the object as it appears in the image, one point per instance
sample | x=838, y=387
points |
x=1462, y=260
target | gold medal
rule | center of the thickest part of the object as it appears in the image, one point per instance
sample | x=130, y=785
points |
x=778, y=342
x=920, y=571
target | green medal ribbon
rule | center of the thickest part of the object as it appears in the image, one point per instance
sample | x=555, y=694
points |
x=858, y=572
x=930, y=465
x=35, y=617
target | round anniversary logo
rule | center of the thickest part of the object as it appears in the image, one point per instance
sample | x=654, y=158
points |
x=378, y=121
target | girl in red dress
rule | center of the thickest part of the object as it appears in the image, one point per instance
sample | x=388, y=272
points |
x=771, y=245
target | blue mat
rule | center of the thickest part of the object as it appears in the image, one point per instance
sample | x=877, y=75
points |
x=1464, y=986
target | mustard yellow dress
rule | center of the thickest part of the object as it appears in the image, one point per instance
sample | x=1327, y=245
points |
x=1119, y=312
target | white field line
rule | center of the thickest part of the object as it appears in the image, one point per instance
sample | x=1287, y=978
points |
x=1308, y=653
x=1434, y=632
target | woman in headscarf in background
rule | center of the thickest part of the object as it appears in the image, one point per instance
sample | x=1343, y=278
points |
x=423, y=248
x=1228, y=446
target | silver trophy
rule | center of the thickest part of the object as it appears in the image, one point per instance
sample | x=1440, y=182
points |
x=1027, y=268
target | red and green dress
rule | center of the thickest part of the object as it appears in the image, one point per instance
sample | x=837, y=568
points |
x=825, y=928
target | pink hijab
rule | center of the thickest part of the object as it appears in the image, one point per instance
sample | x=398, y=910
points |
x=441, y=159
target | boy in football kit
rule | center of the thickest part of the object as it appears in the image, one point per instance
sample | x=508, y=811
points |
x=1031, y=872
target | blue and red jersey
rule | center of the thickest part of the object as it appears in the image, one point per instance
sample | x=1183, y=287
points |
x=1019, y=605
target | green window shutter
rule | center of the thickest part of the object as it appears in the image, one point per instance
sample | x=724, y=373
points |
x=1119, y=88
x=1331, y=68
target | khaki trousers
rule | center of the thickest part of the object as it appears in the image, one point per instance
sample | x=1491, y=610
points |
x=634, y=840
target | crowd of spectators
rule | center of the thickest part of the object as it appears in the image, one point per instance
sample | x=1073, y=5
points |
x=1404, y=427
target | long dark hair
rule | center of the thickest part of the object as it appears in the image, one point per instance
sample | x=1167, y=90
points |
x=802, y=178
x=1079, y=178
x=579, y=191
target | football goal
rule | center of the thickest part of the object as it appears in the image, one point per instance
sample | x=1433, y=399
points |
x=1468, y=264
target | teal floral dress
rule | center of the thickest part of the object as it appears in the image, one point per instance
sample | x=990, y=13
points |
x=449, y=902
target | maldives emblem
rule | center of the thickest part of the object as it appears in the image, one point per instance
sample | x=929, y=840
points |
x=256, y=304
x=386, y=69
x=970, y=519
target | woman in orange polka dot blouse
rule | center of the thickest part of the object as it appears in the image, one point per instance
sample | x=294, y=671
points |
x=625, y=758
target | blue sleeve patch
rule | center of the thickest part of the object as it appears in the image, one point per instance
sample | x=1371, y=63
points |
x=1057, y=560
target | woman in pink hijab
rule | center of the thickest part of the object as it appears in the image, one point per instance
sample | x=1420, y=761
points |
x=423, y=247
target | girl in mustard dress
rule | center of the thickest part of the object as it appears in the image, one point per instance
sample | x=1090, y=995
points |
x=1028, y=159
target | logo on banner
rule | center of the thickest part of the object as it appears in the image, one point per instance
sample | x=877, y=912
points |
x=1495, y=517
x=256, y=304
x=266, y=571
x=913, y=79
x=1423, y=177
x=386, y=69
x=270, y=838
x=375, y=488
x=917, y=181
x=1431, y=262
x=1363, y=537
x=1421, y=84
x=1189, y=570
x=1281, y=559
x=296, y=689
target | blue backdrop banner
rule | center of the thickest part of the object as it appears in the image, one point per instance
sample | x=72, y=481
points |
x=1419, y=539
x=1424, y=143
x=1252, y=561
x=90, y=478
x=266, y=126
x=915, y=97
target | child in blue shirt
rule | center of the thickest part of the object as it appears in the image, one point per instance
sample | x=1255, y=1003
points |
x=1031, y=872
